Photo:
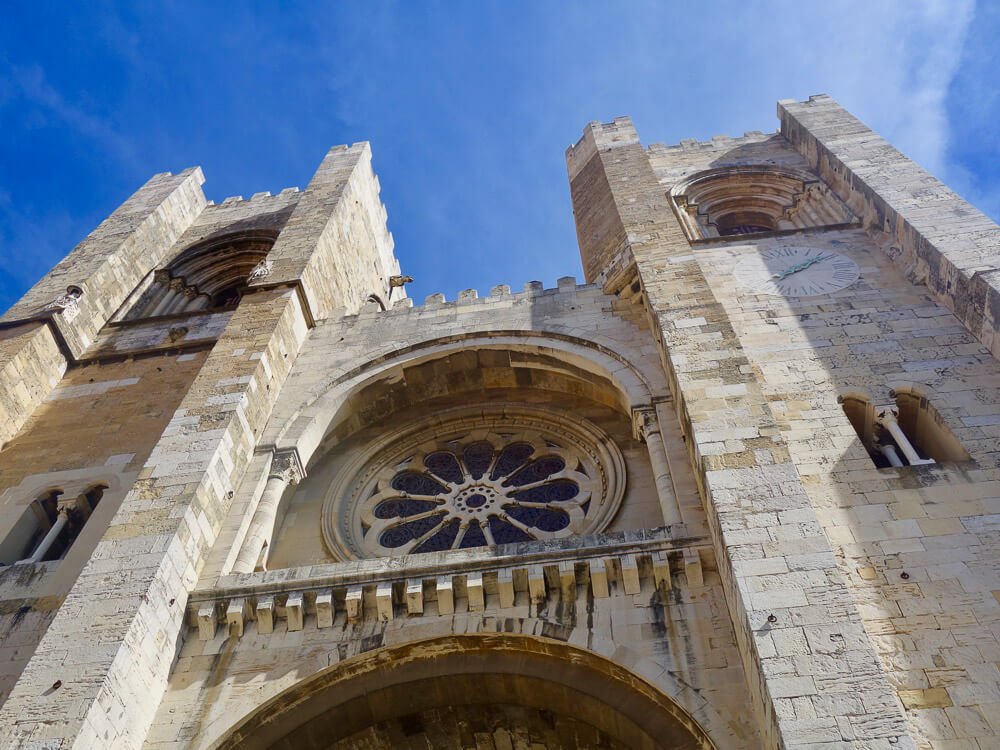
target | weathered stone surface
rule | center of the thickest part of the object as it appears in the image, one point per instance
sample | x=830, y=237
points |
x=762, y=583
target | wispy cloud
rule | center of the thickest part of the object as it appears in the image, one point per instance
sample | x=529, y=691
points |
x=30, y=84
x=30, y=244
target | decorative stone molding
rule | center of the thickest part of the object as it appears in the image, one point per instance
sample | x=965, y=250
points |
x=287, y=466
x=261, y=271
x=644, y=423
x=754, y=198
x=442, y=589
x=474, y=477
x=67, y=304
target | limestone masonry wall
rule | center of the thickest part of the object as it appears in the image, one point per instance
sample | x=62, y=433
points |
x=778, y=570
x=944, y=242
x=762, y=583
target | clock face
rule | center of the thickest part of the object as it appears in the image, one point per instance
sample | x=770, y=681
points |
x=796, y=272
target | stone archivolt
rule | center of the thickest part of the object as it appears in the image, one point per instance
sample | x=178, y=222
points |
x=475, y=477
x=593, y=702
x=210, y=274
x=742, y=200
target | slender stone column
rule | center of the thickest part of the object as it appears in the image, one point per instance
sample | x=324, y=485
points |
x=889, y=451
x=912, y=457
x=171, y=292
x=43, y=546
x=647, y=428
x=285, y=469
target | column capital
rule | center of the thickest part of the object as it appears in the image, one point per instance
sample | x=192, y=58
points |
x=287, y=466
x=644, y=422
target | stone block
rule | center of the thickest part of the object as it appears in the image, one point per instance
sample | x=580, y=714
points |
x=505, y=587
x=294, y=612
x=354, y=604
x=630, y=574
x=325, y=609
x=599, y=578
x=536, y=584
x=415, y=596
x=445, y=596
x=383, y=601
x=474, y=591
x=235, y=613
x=208, y=621
x=265, y=615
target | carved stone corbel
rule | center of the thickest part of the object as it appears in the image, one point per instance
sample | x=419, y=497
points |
x=68, y=304
x=261, y=271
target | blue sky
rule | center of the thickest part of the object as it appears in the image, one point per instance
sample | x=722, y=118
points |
x=469, y=106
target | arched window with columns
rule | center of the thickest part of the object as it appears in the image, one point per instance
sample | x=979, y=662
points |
x=210, y=275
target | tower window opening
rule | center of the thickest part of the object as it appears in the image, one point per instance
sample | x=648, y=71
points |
x=911, y=434
x=750, y=199
x=49, y=526
x=228, y=297
x=213, y=275
x=744, y=222
x=926, y=429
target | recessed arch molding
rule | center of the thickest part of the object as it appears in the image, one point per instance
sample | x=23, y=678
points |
x=484, y=670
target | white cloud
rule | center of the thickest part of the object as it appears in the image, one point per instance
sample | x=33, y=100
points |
x=890, y=63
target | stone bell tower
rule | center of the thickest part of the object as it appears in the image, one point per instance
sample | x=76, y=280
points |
x=827, y=316
x=738, y=489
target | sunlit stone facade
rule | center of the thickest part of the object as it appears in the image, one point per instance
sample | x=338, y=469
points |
x=740, y=488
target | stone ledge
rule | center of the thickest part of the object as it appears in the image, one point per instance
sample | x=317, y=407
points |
x=515, y=580
x=439, y=563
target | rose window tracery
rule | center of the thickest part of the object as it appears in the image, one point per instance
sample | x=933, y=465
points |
x=480, y=482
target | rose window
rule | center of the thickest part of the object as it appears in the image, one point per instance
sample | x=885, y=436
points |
x=506, y=481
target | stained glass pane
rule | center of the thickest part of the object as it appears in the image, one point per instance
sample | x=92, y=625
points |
x=416, y=483
x=543, y=519
x=511, y=458
x=441, y=540
x=474, y=537
x=505, y=532
x=400, y=507
x=536, y=471
x=482, y=484
x=444, y=465
x=478, y=456
x=399, y=535
x=556, y=491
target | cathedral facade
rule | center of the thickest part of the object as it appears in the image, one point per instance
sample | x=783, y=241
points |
x=739, y=489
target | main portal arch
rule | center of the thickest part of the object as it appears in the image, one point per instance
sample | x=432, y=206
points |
x=494, y=690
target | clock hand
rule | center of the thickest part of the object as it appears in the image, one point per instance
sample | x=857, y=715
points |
x=800, y=267
x=790, y=270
